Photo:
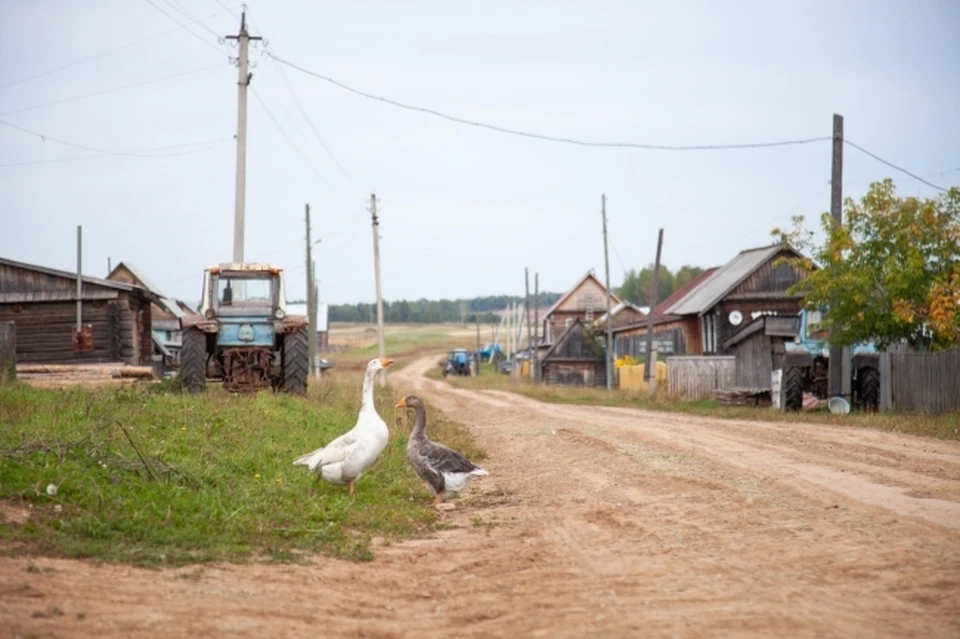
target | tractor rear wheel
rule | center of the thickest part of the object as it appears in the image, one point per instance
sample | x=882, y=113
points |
x=193, y=360
x=792, y=387
x=867, y=397
x=296, y=362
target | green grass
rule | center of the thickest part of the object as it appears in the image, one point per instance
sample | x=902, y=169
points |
x=150, y=476
x=934, y=426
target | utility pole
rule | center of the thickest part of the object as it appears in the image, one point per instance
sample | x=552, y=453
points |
x=536, y=328
x=606, y=261
x=376, y=268
x=838, y=378
x=526, y=277
x=311, y=299
x=79, y=281
x=654, y=299
x=479, y=357
x=243, y=81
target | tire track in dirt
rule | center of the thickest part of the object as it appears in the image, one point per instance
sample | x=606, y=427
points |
x=594, y=521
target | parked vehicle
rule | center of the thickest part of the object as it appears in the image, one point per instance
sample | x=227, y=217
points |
x=458, y=362
x=244, y=335
x=806, y=368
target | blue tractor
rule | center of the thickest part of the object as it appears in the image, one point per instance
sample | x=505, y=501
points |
x=243, y=335
x=458, y=362
x=806, y=366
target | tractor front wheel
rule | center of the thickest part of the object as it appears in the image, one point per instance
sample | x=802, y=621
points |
x=193, y=360
x=296, y=362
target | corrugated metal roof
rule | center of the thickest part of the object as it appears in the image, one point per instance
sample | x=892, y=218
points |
x=704, y=297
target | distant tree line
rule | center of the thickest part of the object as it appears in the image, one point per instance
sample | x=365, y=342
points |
x=424, y=311
x=636, y=284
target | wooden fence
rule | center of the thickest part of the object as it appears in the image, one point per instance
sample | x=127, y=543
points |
x=920, y=382
x=696, y=377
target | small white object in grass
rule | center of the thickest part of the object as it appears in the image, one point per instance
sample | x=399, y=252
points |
x=58, y=508
x=553, y=432
x=51, y=489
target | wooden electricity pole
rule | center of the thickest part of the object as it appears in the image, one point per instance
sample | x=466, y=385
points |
x=311, y=299
x=376, y=268
x=606, y=261
x=838, y=375
x=650, y=368
x=526, y=278
x=536, y=328
x=243, y=81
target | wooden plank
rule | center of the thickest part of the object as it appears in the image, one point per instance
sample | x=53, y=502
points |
x=8, y=352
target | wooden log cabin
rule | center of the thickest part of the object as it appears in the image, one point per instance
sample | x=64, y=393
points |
x=585, y=301
x=42, y=302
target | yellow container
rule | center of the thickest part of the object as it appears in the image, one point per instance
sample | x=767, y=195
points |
x=633, y=378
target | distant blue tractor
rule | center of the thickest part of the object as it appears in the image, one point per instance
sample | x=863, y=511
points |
x=806, y=367
x=244, y=335
x=458, y=362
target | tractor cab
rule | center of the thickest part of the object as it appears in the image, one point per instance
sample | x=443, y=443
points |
x=237, y=290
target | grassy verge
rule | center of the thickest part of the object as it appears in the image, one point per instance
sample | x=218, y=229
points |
x=150, y=476
x=935, y=426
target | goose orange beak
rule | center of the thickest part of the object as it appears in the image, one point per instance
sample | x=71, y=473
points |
x=401, y=404
x=385, y=361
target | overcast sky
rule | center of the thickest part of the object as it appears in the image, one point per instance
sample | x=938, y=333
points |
x=463, y=210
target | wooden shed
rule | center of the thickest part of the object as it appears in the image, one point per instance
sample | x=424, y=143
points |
x=576, y=358
x=758, y=349
x=42, y=302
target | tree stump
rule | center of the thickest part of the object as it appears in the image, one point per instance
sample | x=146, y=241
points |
x=8, y=352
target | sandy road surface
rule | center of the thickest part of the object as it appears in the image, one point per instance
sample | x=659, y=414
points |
x=594, y=522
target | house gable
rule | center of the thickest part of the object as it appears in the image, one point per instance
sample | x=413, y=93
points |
x=587, y=295
x=575, y=344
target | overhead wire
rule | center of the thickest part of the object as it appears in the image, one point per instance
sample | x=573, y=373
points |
x=329, y=181
x=146, y=153
x=185, y=28
x=549, y=138
x=137, y=153
x=99, y=55
x=111, y=90
x=296, y=148
x=176, y=6
x=893, y=166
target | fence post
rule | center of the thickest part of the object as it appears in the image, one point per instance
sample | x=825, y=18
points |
x=886, y=383
x=8, y=352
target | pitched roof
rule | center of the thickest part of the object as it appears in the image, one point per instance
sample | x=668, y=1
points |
x=86, y=279
x=588, y=275
x=616, y=310
x=661, y=309
x=169, y=304
x=726, y=278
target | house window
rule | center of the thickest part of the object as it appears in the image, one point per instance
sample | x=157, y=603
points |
x=783, y=277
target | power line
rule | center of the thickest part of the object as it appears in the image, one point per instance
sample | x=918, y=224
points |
x=289, y=140
x=99, y=55
x=147, y=153
x=184, y=27
x=894, y=166
x=309, y=120
x=112, y=90
x=302, y=136
x=550, y=138
x=140, y=153
x=176, y=6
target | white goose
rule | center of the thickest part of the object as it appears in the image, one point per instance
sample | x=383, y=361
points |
x=344, y=459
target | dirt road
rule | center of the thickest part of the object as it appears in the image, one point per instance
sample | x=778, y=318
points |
x=594, y=522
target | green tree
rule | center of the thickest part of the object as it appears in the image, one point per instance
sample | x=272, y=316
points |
x=685, y=275
x=889, y=273
x=636, y=285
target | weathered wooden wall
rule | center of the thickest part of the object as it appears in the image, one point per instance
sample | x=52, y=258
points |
x=925, y=382
x=591, y=373
x=634, y=342
x=696, y=377
x=121, y=330
x=8, y=352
